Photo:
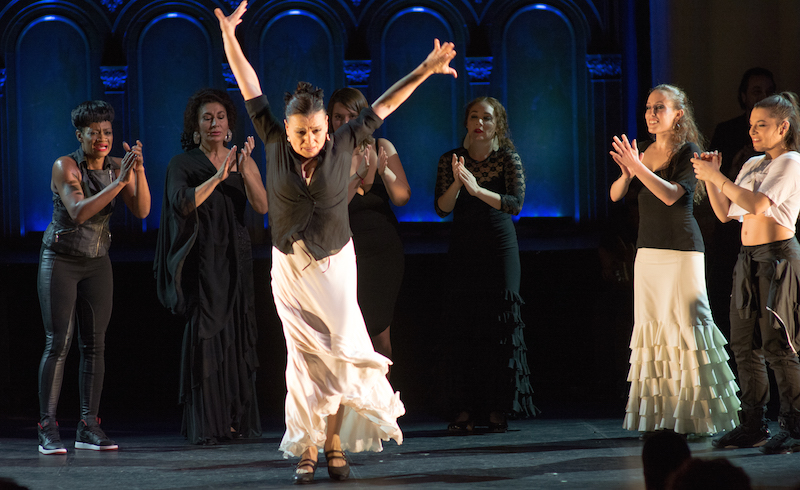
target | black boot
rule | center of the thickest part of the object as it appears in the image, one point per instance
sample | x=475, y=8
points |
x=788, y=439
x=752, y=431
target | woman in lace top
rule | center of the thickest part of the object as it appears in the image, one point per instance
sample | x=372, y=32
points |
x=483, y=184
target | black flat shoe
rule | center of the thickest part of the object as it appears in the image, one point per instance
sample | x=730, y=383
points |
x=501, y=424
x=338, y=473
x=308, y=477
x=462, y=423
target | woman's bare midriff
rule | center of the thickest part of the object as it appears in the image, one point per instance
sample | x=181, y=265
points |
x=759, y=229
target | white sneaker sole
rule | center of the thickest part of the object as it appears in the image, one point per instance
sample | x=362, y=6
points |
x=94, y=447
x=61, y=450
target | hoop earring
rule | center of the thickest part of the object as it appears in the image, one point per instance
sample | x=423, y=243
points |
x=228, y=136
x=196, y=138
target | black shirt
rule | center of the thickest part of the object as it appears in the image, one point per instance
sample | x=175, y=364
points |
x=315, y=213
x=671, y=227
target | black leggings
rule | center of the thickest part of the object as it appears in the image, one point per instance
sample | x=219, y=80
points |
x=73, y=290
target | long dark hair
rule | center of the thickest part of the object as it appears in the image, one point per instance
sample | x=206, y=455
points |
x=353, y=100
x=196, y=102
x=501, y=129
x=684, y=130
x=784, y=106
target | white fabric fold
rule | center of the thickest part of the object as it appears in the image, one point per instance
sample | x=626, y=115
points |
x=330, y=357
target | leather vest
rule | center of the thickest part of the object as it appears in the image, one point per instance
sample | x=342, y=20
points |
x=92, y=238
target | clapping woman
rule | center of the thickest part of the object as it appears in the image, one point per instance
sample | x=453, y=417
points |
x=679, y=374
x=764, y=325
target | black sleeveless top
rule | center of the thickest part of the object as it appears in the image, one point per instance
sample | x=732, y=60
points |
x=92, y=238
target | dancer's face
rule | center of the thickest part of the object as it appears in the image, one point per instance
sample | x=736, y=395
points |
x=96, y=139
x=341, y=115
x=660, y=114
x=481, y=122
x=767, y=132
x=307, y=133
x=213, y=123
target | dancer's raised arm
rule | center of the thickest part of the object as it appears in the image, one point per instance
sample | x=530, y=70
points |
x=438, y=61
x=242, y=69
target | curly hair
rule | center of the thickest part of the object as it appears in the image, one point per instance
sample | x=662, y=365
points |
x=306, y=100
x=784, y=107
x=501, y=129
x=90, y=112
x=191, y=115
x=684, y=130
x=354, y=101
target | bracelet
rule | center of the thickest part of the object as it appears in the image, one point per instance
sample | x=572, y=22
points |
x=723, y=185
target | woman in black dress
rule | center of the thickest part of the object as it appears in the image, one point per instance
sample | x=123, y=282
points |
x=379, y=251
x=483, y=184
x=75, y=282
x=204, y=271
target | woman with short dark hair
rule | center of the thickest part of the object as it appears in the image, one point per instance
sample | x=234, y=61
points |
x=75, y=282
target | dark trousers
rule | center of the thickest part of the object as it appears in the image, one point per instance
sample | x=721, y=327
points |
x=73, y=291
x=755, y=342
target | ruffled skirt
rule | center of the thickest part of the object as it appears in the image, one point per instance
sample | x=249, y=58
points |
x=679, y=374
x=330, y=358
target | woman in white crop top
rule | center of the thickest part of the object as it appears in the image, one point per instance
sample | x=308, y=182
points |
x=766, y=198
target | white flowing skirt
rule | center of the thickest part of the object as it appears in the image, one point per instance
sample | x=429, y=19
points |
x=330, y=357
x=679, y=374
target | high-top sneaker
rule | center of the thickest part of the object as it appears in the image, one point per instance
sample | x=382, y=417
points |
x=49, y=438
x=91, y=436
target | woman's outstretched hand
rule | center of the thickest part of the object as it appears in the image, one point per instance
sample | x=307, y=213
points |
x=438, y=61
x=228, y=24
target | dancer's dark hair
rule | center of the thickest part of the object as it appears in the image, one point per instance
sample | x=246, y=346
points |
x=784, y=107
x=191, y=121
x=92, y=111
x=306, y=100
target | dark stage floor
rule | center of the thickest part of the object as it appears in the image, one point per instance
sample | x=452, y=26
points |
x=538, y=453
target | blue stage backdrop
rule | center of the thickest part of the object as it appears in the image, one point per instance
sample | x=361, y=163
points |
x=147, y=57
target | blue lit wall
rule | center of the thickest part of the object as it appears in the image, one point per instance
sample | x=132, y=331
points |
x=532, y=56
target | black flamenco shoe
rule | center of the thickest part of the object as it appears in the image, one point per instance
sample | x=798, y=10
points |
x=462, y=423
x=308, y=477
x=338, y=473
x=498, y=427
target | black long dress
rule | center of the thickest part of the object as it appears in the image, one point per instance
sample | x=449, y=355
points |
x=379, y=253
x=487, y=352
x=204, y=272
